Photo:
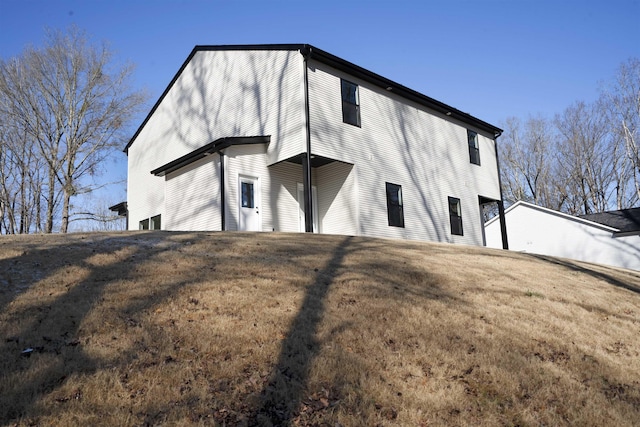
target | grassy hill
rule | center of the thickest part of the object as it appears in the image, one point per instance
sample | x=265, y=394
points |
x=160, y=328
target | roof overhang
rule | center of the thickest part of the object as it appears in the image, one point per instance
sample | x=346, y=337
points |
x=311, y=52
x=333, y=61
x=316, y=161
x=211, y=148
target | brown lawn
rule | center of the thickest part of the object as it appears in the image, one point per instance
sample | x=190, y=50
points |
x=159, y=328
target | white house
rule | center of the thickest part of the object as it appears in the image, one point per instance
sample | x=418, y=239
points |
x=292, y=138
x=610, y=238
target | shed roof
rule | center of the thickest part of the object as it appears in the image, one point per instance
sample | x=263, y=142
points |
x=625, y=220
x=586, y=221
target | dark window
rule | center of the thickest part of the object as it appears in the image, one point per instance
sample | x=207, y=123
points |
x=144, y=224
x=247, y=195
x=350, y=103
x=455, y=216
x=394, y=205
x=155, y=223
x=474, y=148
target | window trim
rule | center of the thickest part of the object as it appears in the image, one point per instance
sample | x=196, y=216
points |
x=348, y=106
x=396, y=208
x=474, y=147
x=455, y=218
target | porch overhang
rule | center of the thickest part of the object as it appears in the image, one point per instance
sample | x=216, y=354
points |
x=211, y=148
x=316, y=161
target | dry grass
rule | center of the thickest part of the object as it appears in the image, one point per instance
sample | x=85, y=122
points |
x=271, y=329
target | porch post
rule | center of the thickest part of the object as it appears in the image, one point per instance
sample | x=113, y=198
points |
x=308, y=208
x=306, y=157
x=503, y=222
x=503, y=225
x=223, y=190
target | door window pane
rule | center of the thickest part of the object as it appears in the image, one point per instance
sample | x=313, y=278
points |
x=247, y=195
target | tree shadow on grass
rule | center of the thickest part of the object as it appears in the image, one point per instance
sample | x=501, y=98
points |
x=48, y=348
x=282, y=396
x=595, y=272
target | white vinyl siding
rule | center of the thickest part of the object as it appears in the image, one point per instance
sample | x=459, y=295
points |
x=199, y=207
x=262, y=94
x=283, y=195
x=337, y=201
x=402, y=142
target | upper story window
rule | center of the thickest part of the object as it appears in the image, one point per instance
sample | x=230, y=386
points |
x=474, y=148
x=350, y=103
x=394, y=205
x=455, y=216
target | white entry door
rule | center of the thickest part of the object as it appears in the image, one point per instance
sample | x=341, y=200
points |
x=314, y=201
x=249, y=201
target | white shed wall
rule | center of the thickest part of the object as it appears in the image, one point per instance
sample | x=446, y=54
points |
x=218, y=94
x=543, y=231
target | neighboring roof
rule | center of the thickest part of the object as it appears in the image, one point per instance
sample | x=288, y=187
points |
x=566, y=216
x=314, y=53
x=120, y=208
x=625, y=220
x=212, y=147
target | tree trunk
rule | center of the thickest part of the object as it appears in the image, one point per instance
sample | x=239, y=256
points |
x=66, y=197
x=51, y=196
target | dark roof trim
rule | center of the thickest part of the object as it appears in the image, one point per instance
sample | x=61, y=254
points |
x=625, y=220
x=120, y=208
x=314, y=53
x=212, y=147
x=393, y=87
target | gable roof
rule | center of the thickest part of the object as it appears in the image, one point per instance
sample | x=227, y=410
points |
x=311, y=52
x=625, y=220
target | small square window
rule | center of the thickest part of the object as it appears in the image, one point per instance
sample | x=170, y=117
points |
x=350, y=103
x=155, y=223
x=455, y=216
x=395, y=211
x=474, y=148
x=144, y=224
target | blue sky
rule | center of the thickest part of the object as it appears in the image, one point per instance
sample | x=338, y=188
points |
x=490, y=58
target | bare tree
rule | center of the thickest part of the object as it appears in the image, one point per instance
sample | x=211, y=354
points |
x=528, y=163
x=621, y=102
x=586, y=165
x=75, y=104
